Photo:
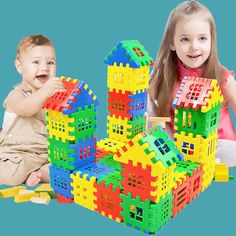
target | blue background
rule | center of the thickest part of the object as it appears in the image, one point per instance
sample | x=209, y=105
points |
x=84, y=33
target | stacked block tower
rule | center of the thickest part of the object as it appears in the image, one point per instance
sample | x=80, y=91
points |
x=128, y=77
x=197, y=112
x=71, y=124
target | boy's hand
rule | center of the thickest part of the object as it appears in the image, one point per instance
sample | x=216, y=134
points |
x=52, y=86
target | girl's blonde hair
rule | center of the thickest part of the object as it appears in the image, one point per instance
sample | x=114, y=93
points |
x=30, y=42
x=165, y=72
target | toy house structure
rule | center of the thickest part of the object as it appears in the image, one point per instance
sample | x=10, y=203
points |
x=128, y=75
x=141, y=178
x=71, y=124
x=197, y=112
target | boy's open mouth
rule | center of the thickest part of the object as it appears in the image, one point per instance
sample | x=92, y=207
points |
x=42, y=78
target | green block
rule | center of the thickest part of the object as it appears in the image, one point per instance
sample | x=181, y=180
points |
x=84, y=123
x=138, y=125
x=113, y=178
x=143, y=60
x=160, y=143
x=146, y=216
x=196, y=122
x=59, y=154
x=110, y=162
x=187, y=167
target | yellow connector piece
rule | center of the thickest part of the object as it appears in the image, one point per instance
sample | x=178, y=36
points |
x=10, y=192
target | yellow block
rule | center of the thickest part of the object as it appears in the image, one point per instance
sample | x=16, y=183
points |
x=44, y=188
x=221, y=172
x=84, y=190
x=129, y=79
x=10, y=192
x=110, y=145
x=25, y=197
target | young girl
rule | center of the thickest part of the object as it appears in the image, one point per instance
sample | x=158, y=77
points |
x=189, y=48
x=23, y=139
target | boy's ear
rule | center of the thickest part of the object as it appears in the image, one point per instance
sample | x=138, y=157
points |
x=18, y=66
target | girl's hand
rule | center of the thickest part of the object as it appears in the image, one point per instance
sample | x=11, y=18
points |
x=52, y=86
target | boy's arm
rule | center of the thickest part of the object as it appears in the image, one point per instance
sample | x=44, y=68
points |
x=27, y=106
x=229, y=92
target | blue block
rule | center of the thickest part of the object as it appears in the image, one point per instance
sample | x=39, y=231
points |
x=95, y=169
x=83, y=152
x=60, y=181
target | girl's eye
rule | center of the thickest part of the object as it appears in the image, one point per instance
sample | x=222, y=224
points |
x=35, y=62
x=184, y=40
x=202, y=39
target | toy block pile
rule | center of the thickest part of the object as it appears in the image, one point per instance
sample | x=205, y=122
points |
x=138, y=177
x=41, y=195
x=71, y=124
x=197, y=112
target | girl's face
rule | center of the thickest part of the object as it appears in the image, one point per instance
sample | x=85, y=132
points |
x=192, y=40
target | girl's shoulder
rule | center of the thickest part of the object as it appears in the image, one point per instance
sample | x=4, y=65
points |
x=225, y=75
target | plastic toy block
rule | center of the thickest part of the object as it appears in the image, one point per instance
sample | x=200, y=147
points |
x=61, y=154
x=208, y=173
x=25, y=191
x=45, y=188
x=108, y=196
x=180, y=192
x=10, y=192
x=84, y=190
x=110, y=162
x=196, y=149
x=84, y=183
x=25, y=197
x=62, y=199
x=139, y=182
x=127, y=105
x=60, y=181
x=101, y=153
x=146, y=216
x=71, y=156
x=163, y=147
x=195, y=174
x=124, y=129
x=129, y=52
x=110, y=145
x=222, y=173
x=44, y=198
x=196, y=122
x=125, y=79
x=95, y=169
x=198, y=93
x=77, y=94
x=187, y=167
x=74, y=127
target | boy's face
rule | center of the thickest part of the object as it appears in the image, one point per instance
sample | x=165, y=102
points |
x=36, y=65
x=192, y=40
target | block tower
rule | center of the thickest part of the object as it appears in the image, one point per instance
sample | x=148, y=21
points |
x=128, y=76
x=197, y=111
x=71, y=124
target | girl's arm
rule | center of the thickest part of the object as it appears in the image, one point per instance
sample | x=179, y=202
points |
x=229, y=92
x=27, y=106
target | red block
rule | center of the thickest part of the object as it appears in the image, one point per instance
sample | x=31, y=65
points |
x=137, y=181
x=108, y=201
